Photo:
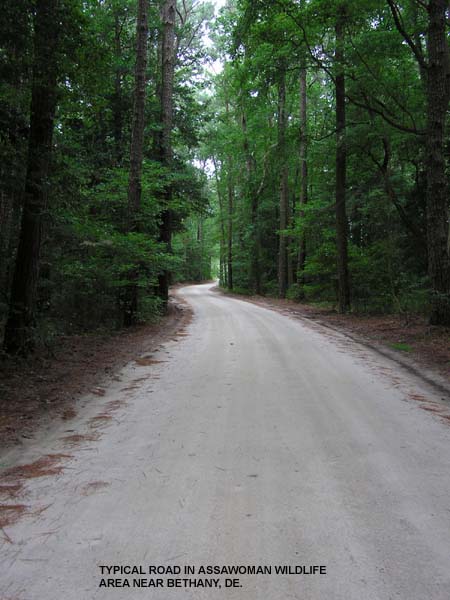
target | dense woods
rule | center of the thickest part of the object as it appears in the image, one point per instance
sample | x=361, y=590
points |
x=100, y=115
x=295, y=148
x=331, y=129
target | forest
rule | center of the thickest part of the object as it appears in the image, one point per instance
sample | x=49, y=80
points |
x=290, y=148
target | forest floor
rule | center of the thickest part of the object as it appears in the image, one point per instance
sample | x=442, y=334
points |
x=409, y=339
x=46, y=386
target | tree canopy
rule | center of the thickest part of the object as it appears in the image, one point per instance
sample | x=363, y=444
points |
x=296, y=148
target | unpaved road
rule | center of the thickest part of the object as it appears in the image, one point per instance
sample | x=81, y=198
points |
x=257, y=440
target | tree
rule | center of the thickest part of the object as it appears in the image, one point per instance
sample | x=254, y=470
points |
x=284, y=190
x=341, y=165
x=119, y=15
x=438, y=97
x=168, y=57
x=16, y=48
x=303, y=155
x=19, y=328
x=136, y=150
x=327, y=129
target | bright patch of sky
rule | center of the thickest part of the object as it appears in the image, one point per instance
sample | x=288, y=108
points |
x=218, y=4
x=216, y=66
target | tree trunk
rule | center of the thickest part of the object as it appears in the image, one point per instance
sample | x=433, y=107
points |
x=438, y=88
x=255, y=268
x=385, y=171
x=230, y=191
x=6, y=232
x=165, y=149
x=341, y=168
x=283, y=216
x=303, y=172
x=117, y=103
x=136, y=152
x=230, y=224
x=223, y=279
x=19, y=326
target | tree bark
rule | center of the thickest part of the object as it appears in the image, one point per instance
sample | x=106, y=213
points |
x=283, y=208
x=255, y=268
x=137, y=133
x=223, y=279
x=136, y=152
x=20, y=323
x=165, y=147
x=6, y=233
x=435, y=73
x=303, y=172
x=438, y=94
x=230, y=224
x=117, y=103
x=230, y=192
x=341, y=168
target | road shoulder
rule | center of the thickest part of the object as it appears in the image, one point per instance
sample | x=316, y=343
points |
x=46, y=388
x=423, y=351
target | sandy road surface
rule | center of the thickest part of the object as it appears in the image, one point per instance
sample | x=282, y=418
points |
x=257, y=440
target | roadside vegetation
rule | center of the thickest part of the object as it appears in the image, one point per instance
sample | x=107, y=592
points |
x=295, y=149
x=329, y=139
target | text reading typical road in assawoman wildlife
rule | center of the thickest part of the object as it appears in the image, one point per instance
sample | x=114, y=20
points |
x=190, y=576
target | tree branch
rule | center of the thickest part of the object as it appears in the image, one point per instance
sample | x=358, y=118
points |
x=401, y=28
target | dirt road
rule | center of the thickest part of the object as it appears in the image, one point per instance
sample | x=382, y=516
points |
x=251, y=440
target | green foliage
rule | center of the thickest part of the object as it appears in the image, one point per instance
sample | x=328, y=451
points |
x=93, y=249
x=224, y=180
x=194, y=249
x=402, y=347
x=385, y=208
x=296, y=292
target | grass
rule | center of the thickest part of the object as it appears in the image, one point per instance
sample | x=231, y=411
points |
x=402, y=347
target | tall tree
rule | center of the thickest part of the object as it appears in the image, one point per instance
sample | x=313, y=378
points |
x=118, y=101
x=47, y=28
x=284, y=190
x=303, y=169
x=341, y=164
x=435, y=72
x=438, y=96
x=230, y=193
x=255, y=272
x=168, y=47
x=15, y=38
x=223, y=271
x=136, y=150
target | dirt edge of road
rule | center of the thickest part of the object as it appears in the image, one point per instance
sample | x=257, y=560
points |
x=46, y=386
x=421, y=350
